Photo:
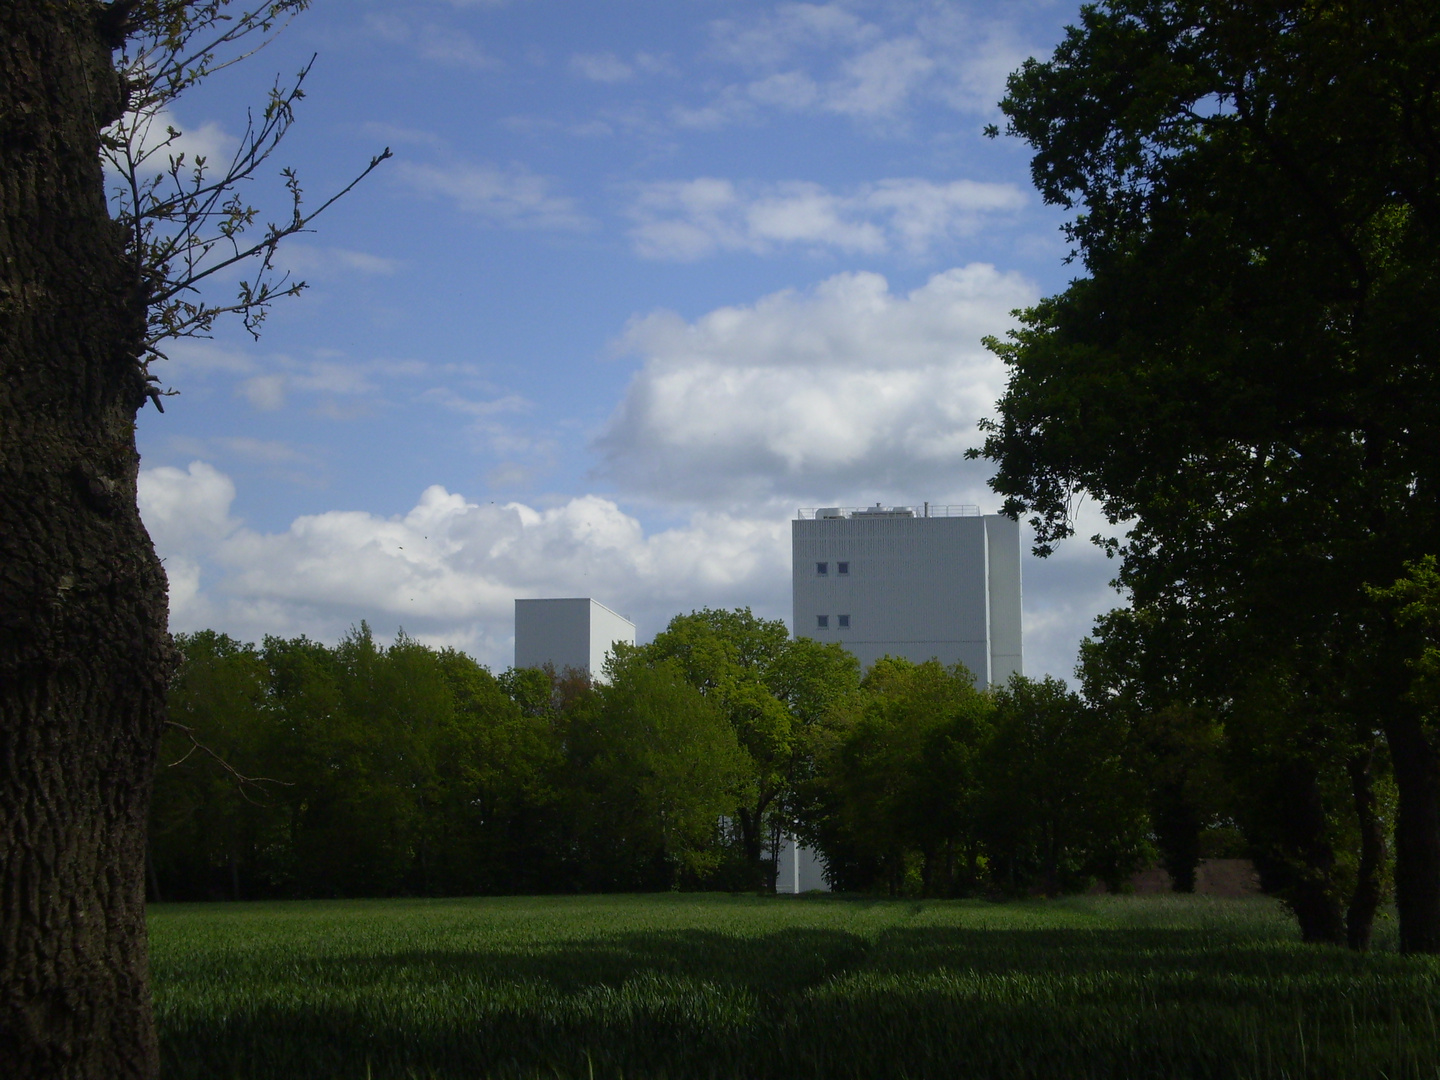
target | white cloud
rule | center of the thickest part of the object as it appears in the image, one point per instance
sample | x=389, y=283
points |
x=187, y=513
x=845, y=390
x=150, y=142
x=826, y=58
x=394, y=133
x=265, y=392
x=153, y=150
x=689, y=219
x=267, y=451
x=488, y=407
x=774, y=37
x=181, y=506
x=601, y=67
x=880, y=81
x=447, y=45
x=450, y=569
x=976, y=56
x=198, y=357
x=1065, y=592
x=327, y=378
x=512, y=196
x=313, y=259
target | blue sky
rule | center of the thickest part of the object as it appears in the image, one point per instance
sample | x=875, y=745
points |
x=641, y=279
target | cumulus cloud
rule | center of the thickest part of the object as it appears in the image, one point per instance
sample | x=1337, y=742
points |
x=152, y=143
x=846, y=388
x=187, y=512
x=450, y=569
x=689, y=219
x=512, y=196
x=182, y=506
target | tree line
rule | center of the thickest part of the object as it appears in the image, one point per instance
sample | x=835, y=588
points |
x=296, y=769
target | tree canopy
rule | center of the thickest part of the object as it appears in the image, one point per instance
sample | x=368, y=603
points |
x=1245, y=375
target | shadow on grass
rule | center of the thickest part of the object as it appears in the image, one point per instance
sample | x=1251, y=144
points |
x=804, y=1002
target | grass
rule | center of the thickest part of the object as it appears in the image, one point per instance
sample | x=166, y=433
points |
x=720, y=986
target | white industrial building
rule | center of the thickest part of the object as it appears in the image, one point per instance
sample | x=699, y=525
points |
x=924, y=582
x=574, y=632
x=799, y=869
x=912, y=581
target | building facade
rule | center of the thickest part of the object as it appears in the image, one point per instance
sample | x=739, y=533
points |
x=799, y=869
x=911, y=581
x=574, y=632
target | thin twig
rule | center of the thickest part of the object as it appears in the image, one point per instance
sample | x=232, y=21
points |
x=244, y=782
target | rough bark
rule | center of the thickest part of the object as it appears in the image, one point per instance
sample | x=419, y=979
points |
x=1417, y=832
x=1365, y=900
x=1177, y=824
x=84, y=653
x=1297, y=861
x=752, y=843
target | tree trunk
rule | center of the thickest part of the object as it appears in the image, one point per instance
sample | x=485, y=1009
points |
x=84, y=653
x=1365, y=901
x=1177, y=825
x=1297, y=861
x=1417, y=832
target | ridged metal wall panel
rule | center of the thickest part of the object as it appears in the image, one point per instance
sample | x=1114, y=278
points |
x=916, y=587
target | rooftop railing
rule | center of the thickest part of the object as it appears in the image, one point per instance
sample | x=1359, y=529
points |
x=928, y=510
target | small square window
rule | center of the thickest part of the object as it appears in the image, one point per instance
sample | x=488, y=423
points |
x=844, y=621
x=822, y=568
x=822, y=621
x=842, y=568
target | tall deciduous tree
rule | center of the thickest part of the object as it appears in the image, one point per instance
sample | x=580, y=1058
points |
x=1062, y=802
x=1248, y=372
x=776, y=692
x=84, y=652
x=656, y=766
x=901, y=785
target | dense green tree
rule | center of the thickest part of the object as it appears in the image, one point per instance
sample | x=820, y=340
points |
x=218, y=824
x=500, y=779
x=1293, y=763
x=355, y=770
x=1275, y=744
x=1134, y=668
x=776, y=693
x=901, y=783
x=1246, y=374
x=1413, y=602
x=1062, y=802
x=656, y=765
x=372, y=770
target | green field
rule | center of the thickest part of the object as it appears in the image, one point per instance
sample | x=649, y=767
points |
x=702, y=986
